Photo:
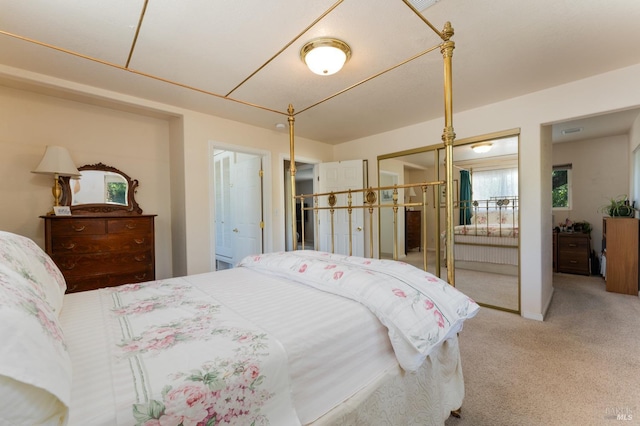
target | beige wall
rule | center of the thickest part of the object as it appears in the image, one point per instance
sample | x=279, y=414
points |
x=599, y=172
x=611, y=91
x=136, y=144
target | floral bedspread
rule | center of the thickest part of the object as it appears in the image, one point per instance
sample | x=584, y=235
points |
x=419, y=309
x=181, y=358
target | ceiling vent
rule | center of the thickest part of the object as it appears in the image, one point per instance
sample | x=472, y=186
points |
x=421, y=5
x=572, y=130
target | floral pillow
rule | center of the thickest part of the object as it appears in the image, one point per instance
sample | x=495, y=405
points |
x=35, y=367
x=23, y=256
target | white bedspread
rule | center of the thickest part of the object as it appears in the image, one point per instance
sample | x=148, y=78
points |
x=302, y=319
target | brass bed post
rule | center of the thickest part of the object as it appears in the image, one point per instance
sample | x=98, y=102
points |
x=371, y=200
x=448, y=137
x=349, y=211
x=395, y=223
x=292, y=163
x=423, y=218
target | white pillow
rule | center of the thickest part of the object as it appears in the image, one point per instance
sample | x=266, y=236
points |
x=35, y=367
x=24, y=256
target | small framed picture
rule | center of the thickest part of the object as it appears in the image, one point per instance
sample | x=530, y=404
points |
x=62, y=210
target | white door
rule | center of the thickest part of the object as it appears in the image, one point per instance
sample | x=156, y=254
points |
x=223, y=217
x=246, y=196
x=340, y=176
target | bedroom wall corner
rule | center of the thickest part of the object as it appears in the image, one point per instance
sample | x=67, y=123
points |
x=177, y=187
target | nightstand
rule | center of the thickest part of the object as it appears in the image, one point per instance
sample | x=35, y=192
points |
x=574, y=253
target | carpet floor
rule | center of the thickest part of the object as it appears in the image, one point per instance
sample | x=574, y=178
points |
x=581, y=366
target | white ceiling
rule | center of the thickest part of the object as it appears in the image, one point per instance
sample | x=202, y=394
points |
x=199, y=54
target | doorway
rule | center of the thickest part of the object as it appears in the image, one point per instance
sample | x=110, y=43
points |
x=305, y=178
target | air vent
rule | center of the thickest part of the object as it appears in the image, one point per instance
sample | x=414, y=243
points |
x=572, y=130
x=421, y=5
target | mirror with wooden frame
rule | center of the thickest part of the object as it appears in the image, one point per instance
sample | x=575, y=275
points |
x=100, y=189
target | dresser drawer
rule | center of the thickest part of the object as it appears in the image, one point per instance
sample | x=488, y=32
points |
x=131, y=242
x=83, y=264
x=138, y=225
x=78, y=227
x=95, y=281
x=573, y=244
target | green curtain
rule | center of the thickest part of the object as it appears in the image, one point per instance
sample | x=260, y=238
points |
x=465, y=198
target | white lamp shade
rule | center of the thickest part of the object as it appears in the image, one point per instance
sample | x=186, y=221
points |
x=56, y=161
x=412, y=192
x=325, y=60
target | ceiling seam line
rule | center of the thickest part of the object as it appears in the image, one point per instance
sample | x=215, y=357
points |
x=135, y=37
x=286, y=46
x=140, y=73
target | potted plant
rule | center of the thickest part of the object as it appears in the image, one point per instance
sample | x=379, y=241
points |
x=618, y=206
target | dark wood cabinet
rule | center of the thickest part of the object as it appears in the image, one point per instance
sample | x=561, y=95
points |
x=412, y=230
x=574, y=253
x=101, y=251
x=620, y=243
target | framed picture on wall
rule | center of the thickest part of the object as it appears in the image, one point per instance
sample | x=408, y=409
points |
x=386, y=195
x=443, y=194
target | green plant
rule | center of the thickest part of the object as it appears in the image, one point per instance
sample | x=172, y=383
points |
x=618, y=206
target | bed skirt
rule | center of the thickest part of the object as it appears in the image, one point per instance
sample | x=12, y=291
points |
x=499, y=250
x=395, y=397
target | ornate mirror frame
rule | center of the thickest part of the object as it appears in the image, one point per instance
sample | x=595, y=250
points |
x=132, y=207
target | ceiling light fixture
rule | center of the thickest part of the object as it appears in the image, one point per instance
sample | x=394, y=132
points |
x=325, y=56
x=481, y=148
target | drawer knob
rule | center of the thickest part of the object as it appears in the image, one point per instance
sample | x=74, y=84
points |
x=68, y=265
x=573, y=245
x=140, y=258
x=139, y=240
x=69, y=246
x=78, y=228
x=141, y=276
x=130, y=226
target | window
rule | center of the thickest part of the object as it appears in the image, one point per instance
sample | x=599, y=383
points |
x=494, y=183
x=561, y=187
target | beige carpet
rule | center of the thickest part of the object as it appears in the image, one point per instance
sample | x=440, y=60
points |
x=581, y=366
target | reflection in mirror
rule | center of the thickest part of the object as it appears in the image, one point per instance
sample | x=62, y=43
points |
x=486, y=214
x=101, y=189
x=97, y=187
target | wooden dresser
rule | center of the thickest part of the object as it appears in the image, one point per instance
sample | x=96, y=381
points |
x=412, y=229
x=574, y=253
x=101, y=250
x=621, y=242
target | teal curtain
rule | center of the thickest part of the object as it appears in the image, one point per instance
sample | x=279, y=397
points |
x=465, y=198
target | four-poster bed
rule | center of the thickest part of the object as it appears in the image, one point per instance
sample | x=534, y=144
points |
x=268, y=342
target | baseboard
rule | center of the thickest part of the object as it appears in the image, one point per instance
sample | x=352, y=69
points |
x=540, y=317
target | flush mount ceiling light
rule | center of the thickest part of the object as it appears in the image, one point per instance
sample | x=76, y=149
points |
x=481, y=148
x=325, y=56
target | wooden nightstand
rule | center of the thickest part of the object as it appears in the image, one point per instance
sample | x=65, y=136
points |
x=574, y=253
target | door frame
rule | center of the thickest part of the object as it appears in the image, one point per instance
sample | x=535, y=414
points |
x=267, y=234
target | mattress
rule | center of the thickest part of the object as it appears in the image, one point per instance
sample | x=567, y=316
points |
x=302, y=319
